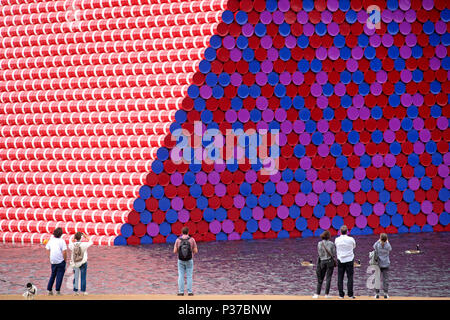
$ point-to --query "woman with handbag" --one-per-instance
(325, 263)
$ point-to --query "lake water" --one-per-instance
(234, 267)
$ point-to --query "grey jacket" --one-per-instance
(323, 255)
(383, 253)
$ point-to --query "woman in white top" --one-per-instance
(78, 260)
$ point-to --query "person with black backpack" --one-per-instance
(185, 246)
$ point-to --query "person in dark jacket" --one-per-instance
(382, 249)
(325, 265)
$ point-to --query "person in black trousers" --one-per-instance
(344, 251)
(325, 264)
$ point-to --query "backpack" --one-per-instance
(77, 252)
(185, 250)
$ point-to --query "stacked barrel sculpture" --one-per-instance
(129, 119)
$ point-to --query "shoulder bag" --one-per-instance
(328, 252)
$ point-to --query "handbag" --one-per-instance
(373, 258)
(328, 252)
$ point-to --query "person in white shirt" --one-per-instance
(79, 261)
(58, 254)
(344, 251)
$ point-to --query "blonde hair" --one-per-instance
(383, 238)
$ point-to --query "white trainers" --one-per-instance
(377, 296)
(386, 296)
(327, 296)
(315, 296)
(84, 293)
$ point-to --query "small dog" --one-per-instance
(31, 291)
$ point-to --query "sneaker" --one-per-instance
(341, 297)
(180, 294)
(76, 293)
(352, 297)
(386, 296)
(315, 296)
(377, 296)
(50, 293)
(58, 293)
(190, 294)
(327, 296)
(84, 293)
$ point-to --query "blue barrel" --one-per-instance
(264, 200)
(294, 212)
(139, 205)
(276, 224)
(301, 224)
(171, 216)
(162, 154)
(120, 241)
(337, 222)
(246, 235)
(202, 202)
(145, 192)
(252, 225)
(146, 239)
(171, 238)
(397, 220)
(157, 166)
(209, 214)
(126, 230)
(220, 214)
(307, 233)
(145, 217)
(164, 228)
(164, 204)
(221, 236)
(195, 190)
(283, 234)
(385, 220)
(246, 213)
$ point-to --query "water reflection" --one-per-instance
(235, 267)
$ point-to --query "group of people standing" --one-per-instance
(57, 249)
(330, 255)
(340, 254)
(185, 247)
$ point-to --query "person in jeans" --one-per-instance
(382, 248)
(325, 265)
(80, 267)
(185, 261)
(58, 254)
(345, 256)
